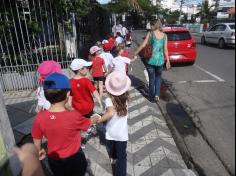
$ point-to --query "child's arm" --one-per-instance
(38, 109)
(68, 105)
(105, 69)
(28, 156)
(133, 59)
(108, 115)
(42, 152)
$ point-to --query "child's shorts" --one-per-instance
(69, 166)
(102, 78)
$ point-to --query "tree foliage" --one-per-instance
(206, 11)
(171, 17)
(79, 7)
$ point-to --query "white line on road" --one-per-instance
(198, 81)
(209, 73)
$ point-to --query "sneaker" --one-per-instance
(83, 146)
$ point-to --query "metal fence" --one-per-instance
(30, 32)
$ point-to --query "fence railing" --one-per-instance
(17, 78)
(31, 32)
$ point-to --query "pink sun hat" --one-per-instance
(117, 83)
(47, 68)
(94, 49)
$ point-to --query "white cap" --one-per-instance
(77, 64)
(94, 49)
(105, 42)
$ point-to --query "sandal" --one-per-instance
(157, 98)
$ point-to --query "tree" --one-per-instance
(206, 11)
(172, 17)
(141, 6)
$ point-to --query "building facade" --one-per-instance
(226, 9)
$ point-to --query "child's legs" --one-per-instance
(111, 149)
(121, 165)
(101, 88)
(96, 84)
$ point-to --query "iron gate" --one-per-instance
(31, 32)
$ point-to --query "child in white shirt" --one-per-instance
(120, 62)
(45, 69)
(117, 85)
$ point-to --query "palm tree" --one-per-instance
(134, 4)
(206, 11)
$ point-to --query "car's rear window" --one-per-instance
(232, 26)
(178, 36)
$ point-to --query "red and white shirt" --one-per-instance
(81, 92)
(98, 67)
(62, 129)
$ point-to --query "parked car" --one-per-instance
(181, 45)
(220, 34)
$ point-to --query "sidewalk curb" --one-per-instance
(180, 140)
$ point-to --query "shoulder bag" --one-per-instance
(146, 52)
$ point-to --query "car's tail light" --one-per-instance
(193, 45)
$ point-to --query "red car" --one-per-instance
(181, 45)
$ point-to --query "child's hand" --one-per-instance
(42, 154)
(95, 119)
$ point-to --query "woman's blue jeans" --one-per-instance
(155, 78)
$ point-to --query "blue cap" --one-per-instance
(56, 81)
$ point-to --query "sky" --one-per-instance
(187, 1)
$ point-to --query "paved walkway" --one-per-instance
(151, 150)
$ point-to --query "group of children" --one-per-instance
(66, 107)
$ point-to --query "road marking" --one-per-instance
(198, 81)
(209, 73)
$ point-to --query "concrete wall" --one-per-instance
(27, 81)
(195, 28)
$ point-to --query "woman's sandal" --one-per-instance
(157, 98)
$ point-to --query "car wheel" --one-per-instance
(221, 44)
(192, 63)
(203, 40)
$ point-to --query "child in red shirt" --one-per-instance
(62, 129)
(82, 88)
(98, 69)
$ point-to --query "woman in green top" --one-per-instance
(155, 64)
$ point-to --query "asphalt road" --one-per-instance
(207, 91)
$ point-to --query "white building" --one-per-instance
(212, 2)
(226, 9)
(170, 4)
(190, 9)
(173, 5)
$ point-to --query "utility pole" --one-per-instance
(181, 9)
(181, 5)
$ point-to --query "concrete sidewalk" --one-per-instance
(152, 150)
